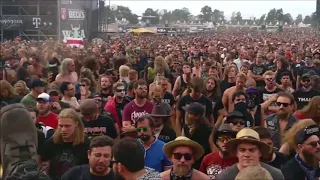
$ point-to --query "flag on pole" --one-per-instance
(75, 42)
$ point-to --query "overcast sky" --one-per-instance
(247, 8)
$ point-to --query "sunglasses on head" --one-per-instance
(242, 123)
(143, 129)
(186, 156)
(314, 144)
(54, 94)
(283, 104)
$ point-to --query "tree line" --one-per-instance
(207, 14)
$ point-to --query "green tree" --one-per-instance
(287, 18)
(271, 16)
(238, 17)
(299, 19)
(279, 15)
(151, 15)
(262, 19)
(307, 20)
(206, 13)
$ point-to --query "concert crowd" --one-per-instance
(231, 105)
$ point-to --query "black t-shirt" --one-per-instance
(168, 98)
(186, 100)
(302, 98)
(216, 105)
(278, 161)
(119, 109)
(200, 135)
(258, 70)
(103, 125)
(64, 156)
(265, 95)
(224, 85)
(304, 69)
(167, 134)
(83, 173)
(271, 66)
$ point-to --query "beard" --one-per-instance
(100, 171)
(145, 138)
(118, 176)
(311, 160)
(142, 95)
(225, 153)
(106, 88)
(281, 114)
(182, 170)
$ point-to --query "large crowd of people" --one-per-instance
(239, 104)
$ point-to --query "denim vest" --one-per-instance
(274, 128)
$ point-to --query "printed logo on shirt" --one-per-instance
(304, 99)
(214, 170)
(167, 101)
(135, 115)
(95, 131)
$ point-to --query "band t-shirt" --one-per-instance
(132, 112)
(63, 156)
(103, 125)
(302, 98)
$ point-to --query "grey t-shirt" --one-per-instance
(232, 172)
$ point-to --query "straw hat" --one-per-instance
(197, 149)
(250, 136)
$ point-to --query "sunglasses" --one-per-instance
(242, 123)
(314, 144)
(186, 156)
(306, 80)
(270, 79)
(54, 94)
(224, 139)
(143, 129)
(283, 104)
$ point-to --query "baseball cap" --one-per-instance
(49, 91)
(307, 132)
(45, 97)
(235, 114)
(194, 108)
(306, 75)
(37, 83)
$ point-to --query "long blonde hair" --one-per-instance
(79, 131)
(5, 85)
(64, 66)
(311, 108)
(160, 62)
(289, 136)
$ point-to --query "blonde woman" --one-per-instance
(68, 144)
(7, 93)
(289, 146)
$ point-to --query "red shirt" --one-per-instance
(300, 115)
(213, 164)
(50, 120)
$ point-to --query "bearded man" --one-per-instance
(283, 119)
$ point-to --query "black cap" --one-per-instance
(235, 114)
(37, 83)
(195, 108)
(307, 132)
(305, 76)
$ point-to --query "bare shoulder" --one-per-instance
(165, 175)
(200, 175)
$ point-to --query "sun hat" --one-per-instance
(224, 129)
(194, 108)
(250, 136)
(197, 149)
(159, 111)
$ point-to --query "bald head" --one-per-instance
(88, 106)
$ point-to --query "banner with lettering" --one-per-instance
(73, 19)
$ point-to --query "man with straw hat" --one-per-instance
(248, 148)
(183, 152)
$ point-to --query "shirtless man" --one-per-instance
(67, 73)
(227, 95)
